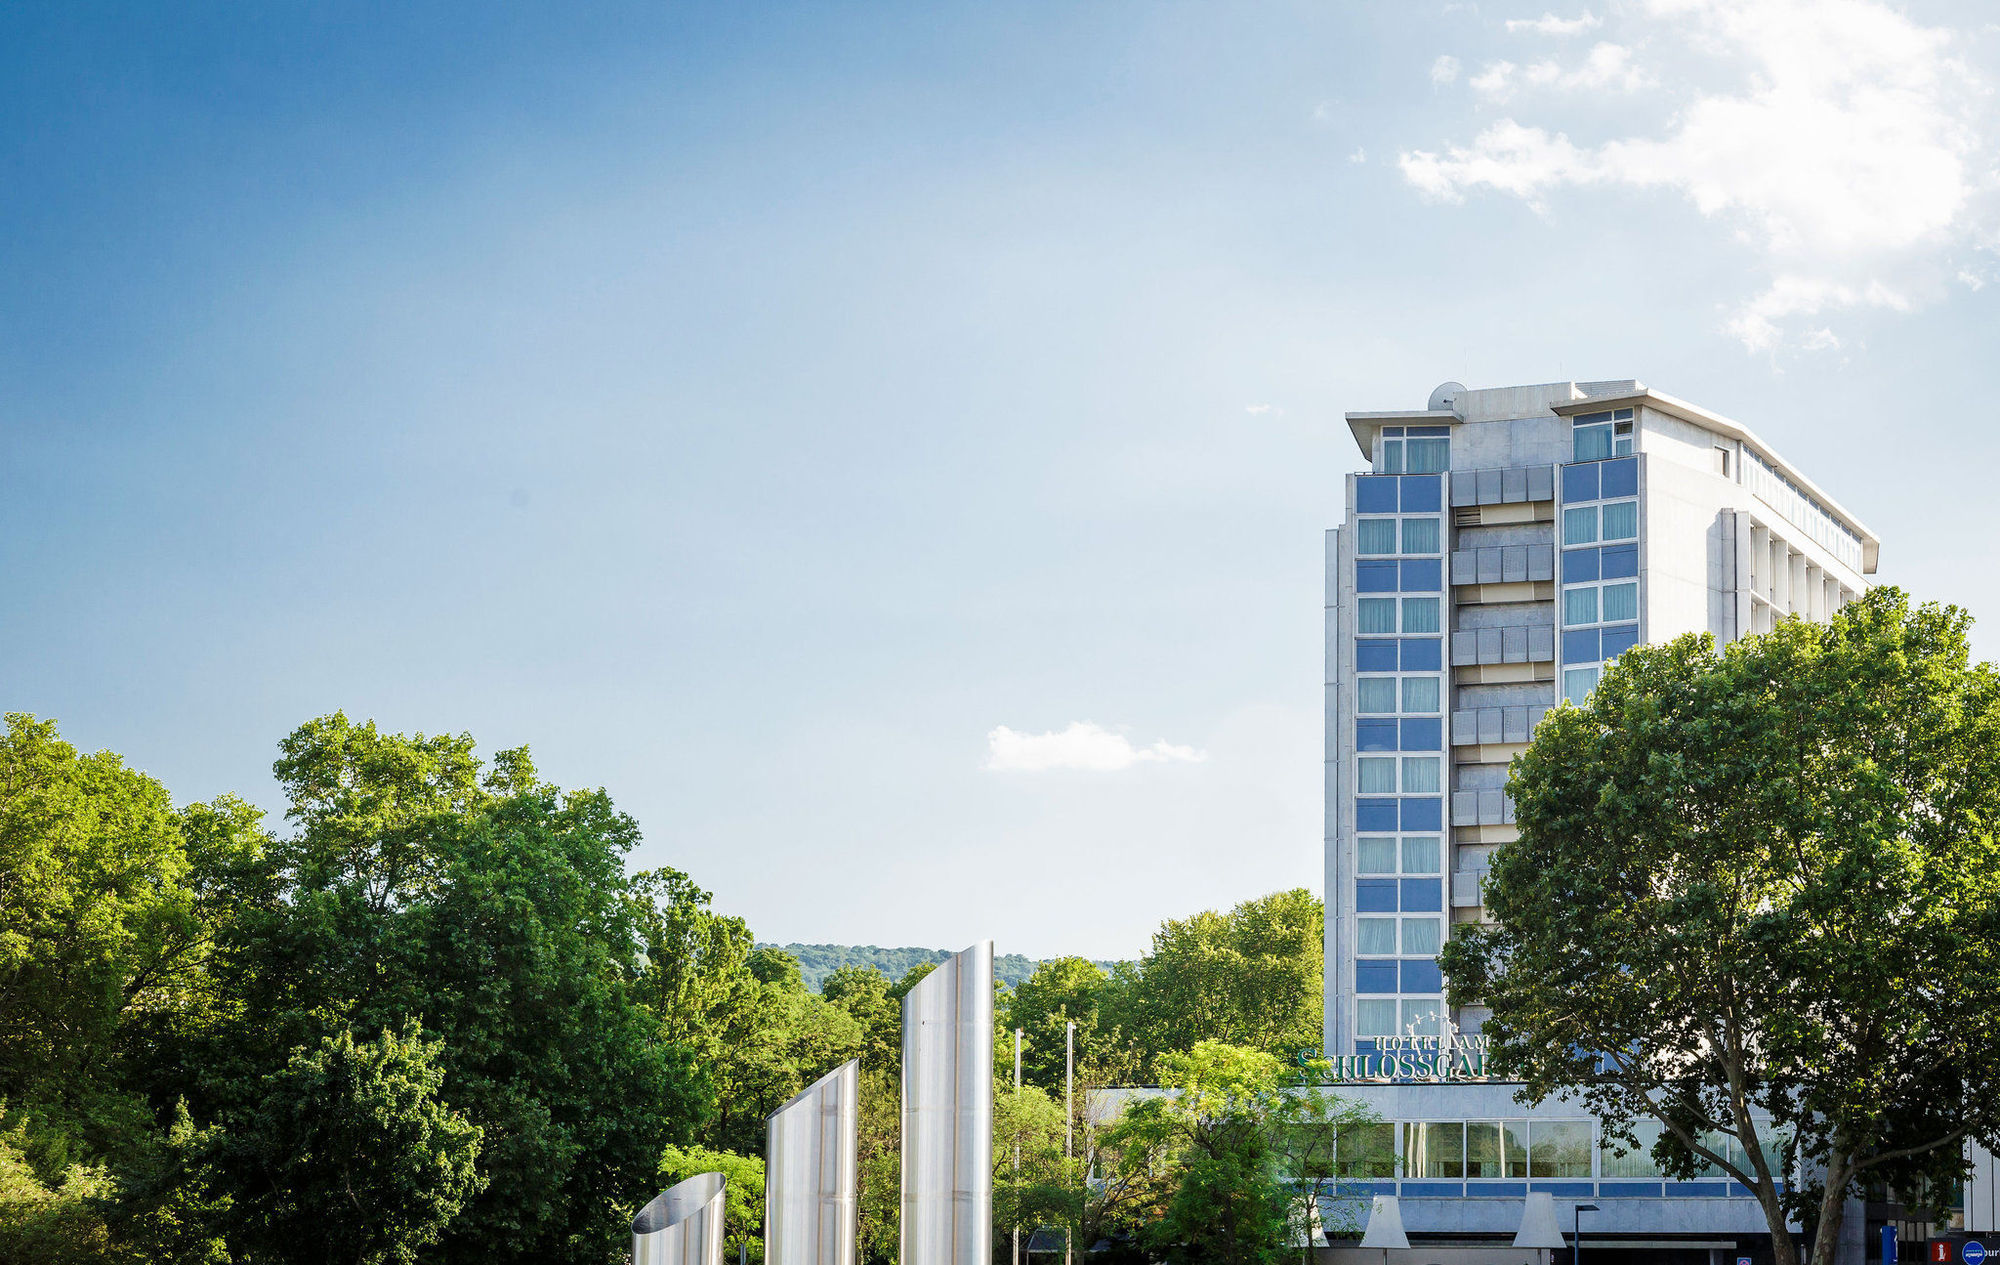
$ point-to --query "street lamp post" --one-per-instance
(1576, 1231)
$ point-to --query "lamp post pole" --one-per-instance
(1069, 1116)
(1017, 1142)
(1576, 1231)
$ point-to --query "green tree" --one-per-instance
(879, 1171)
(863, 992)
(1250, 977)
(1061, 991)
(743, 1193)
(358, 1160)
(58, 1222)
(1213, 1129)
(1756, 898)
(423, 883)
(104, 937)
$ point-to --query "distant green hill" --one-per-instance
(817, 961)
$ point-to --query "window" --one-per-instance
(1420, 535)
(1378, 614)
(1376, 694)
(1611, 602)
(1420, 854)
(1482, 1150)
(1376, 856)
(1588, 524)
(1422, 936)
(1601, 435)
(1375, 535)
(1621, 520)
(1420, 693)
(1637, 1162)
(1367, 1150)
(1427, 456)
(1514, 1139)
(1375, 1017)
(1580, 525)
(1434, 1150)
(1579, 682)
(1420, 775)
(1420, 615)
(1561, 1149)
(1378, 775)
(1375, 937)
(1722, 461)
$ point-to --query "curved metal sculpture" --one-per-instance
(683, 1226)
(809, 1173)
(948, 1113)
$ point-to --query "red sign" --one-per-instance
(1941, 1253)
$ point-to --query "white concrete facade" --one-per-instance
(1506, 543)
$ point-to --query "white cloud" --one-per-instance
(1085, 746)
(1550, 24)
(1360, 155)
(1444, 69)
(1260, 409)
(1606, 68)
(1847, 151)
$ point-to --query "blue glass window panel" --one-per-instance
(1374, 977)
(1422, 654)
(1422, 493)
(1375, 735)
(1429, 432)
(1423, 575)
(1618, 640)
(1375, 895)
(1620, 561)
(1565, 1190)
(1579, 564)
(1375, 494)
(1696, 1190)
(1425, 734)
(1422, 895)
(1375, 577)
(1421, 975)
(1375, 656)
(1423, 814)
(1433, 1190)
(1579, 483)
(1375, 816)
(1497, 1190)
(1621, 477)
(1580, 646)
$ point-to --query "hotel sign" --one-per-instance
(1452, 1058)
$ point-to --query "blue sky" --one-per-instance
(755, 409)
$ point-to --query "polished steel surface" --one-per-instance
(683, 1226)
(809, 1172)
(948, 1113)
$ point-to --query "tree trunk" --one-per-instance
(1832, 1211)
(1784, 1248)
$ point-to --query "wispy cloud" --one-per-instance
(1847, 151)
(1259, 410)
(1444, 70)
(1550, 24)
(1606, 68)
(1083, 746)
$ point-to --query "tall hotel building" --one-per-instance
(1507, 543)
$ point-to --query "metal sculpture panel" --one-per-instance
(809, 1173)
(948, 1113)
(683, 1226)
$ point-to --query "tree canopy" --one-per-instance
(1756, 898)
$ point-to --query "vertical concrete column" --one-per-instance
(809, 1173)
(948, 1113)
